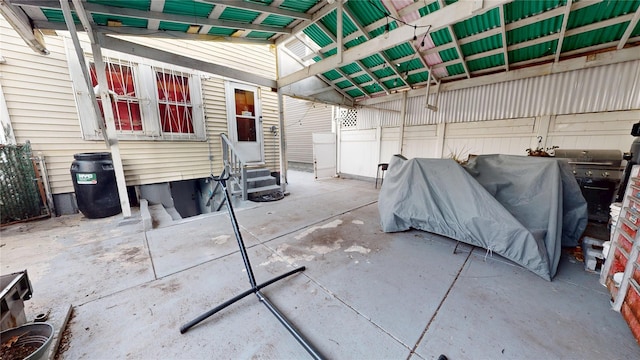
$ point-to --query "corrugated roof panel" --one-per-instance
(455, 69)
(418, 78)
(330, 21)
(477, 24)
(379, 31)
(384, 72)
(594, 37)
(449, 54)
(441, 37)
(366, 12)
(362, 78)
(221, 31)
(636, 31)
(318, 36)
(130, 4)
(317, 58)
(413, 64)
(482, 45)
(399, 51)
(239, 15)
(331, 52)
(298, 5)
(534, 51)
(372, 60)
(260, 35)
(350, 68)
(332, 75)
(355, 93)
(394, 83)
(429, 8)
(344, 84)
(277, 20)
(535, 30)
(373, 88)
(521, 9)
(173, 26)
(486, 62)
(601, 11)
(56, 15)
(181, 7)
(355, 42)
(101, 19)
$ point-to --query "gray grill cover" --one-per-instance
(523, 208)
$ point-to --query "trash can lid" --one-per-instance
(93, 156)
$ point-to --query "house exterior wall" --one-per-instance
(42, 109)
(584, 109)
(303, 118)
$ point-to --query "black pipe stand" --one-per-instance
(255, 288)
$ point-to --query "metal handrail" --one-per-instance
(234, 165)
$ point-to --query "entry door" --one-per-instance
(244, 119)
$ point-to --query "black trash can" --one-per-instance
(94, 182)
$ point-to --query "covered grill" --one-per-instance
(598, 173)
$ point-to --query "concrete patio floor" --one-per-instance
(364, 295)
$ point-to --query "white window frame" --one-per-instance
(144, 71)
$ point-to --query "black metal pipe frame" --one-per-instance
(255, 288)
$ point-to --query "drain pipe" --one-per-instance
(283, 144)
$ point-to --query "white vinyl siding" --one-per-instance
(40, 100)
(303, 118)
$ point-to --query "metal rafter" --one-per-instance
(156, 5)
(563, 29)
(262, 17)
(395, 13)
(384, 56)
(629, 30)
(345, 75)
(454, 37)
(503, 34)
(246, 5)
(155, 15)
(215, 14)
(317, 15)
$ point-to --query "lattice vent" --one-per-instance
(349, 117)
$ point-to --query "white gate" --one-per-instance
(324, 155)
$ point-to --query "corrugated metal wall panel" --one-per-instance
(270, 117)
(303, 118)
(604, 88)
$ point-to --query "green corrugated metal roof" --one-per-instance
(429, 8)
(521, 9)
(535, 30)
(418, 77)
(449, 54)
(366, 12)
(350, 68)
(362, 79)
(260, 35)
(357, 41)
(56, 15)
(239, 15)
(355, 93)
(477, 24)
(441, 37)
(455, 69)
(384, 72)
(221, 31)
(482, 45)
(317, 35)
(332, 75)
(593, 37)
(486, 62)
(331, 23)
(277, 20)
(173, 26)
(344, 84)
(372, 60)
(182, 7)
(102, 19)
(531, 52)
(600, 11)
(130, 4)
(379, 31)
(298, 5)
(399, 51)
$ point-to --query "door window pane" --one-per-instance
(246, 129)
(244, 103)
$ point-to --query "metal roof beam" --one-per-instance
(611, 57)
(149, 15)
(453, 13)
(454, 37)
(478, 36)
(563, 29)
(600, 24)
(503, 35)
(215, 13)
(485, 54)
(629, 30)
(246, 5)
(23, 27)
(156, 5)
(317, 15)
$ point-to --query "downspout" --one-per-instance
(283, 140)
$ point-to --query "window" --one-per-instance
(150, 100)
(174, 103)
(126, 107)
